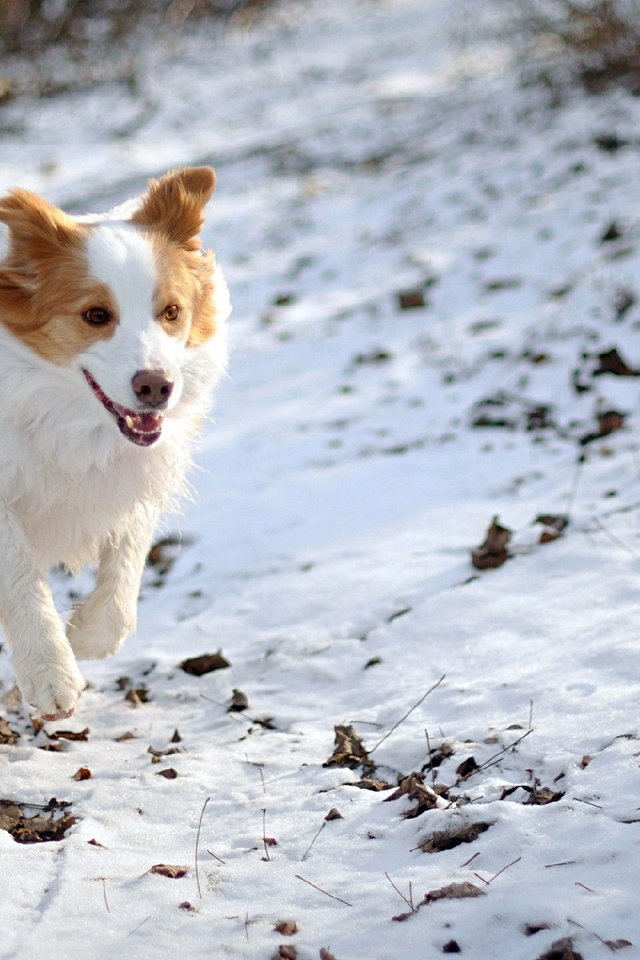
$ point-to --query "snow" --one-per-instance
(364, 149)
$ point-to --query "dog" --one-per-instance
(112, 337)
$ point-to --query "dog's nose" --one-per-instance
(152, 388)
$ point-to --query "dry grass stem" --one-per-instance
(204, 807)
(408, 713)
(320, 890)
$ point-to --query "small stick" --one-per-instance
(467, 862)
(503, 869)
(584, 886)
(215, 856)
(494, 759)
(255, 763)
(433, 769)
(264, 833)
(104, 894)
(139, 925)
(409, 711)
(246, 926)
(409, 901)
(592, 932)
(304, 855)
(589, 803)
(530, 714)
(562, 863)
(481, 878)
(339, 899)
(574, 484)
(204, 807)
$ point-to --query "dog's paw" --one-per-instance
(94, 633)
(51, 688)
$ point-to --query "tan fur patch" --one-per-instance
(44, 283)
(186, 281)
(174, 205)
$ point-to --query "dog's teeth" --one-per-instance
(129, 422)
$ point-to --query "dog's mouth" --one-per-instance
(142, 429)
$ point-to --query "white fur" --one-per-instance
(73, 490)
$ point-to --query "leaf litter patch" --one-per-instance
(49, 822)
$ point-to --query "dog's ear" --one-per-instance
(175, 205)
(38, 231)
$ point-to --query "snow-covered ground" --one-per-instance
(359, 451)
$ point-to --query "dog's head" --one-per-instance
(127, 306)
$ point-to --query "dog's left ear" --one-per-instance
(175, 204)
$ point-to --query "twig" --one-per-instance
(562, 863)
(408, 900)
(573, 490)
(616, 539)
(246, 926)
(104, 894)
(491, 879)
(135, 929)
(584, 886)
(433, 769)
(322, 826)
(256, 763)
(264, 833)
(494, 759)
(592, 932)
(530, 714)
(589, 803)
(339, 899)
(467, 862)
(409, 711)
(216, 857)
(204, 807)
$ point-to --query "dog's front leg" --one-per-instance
(45, 667)
(99, 626)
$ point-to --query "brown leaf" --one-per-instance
(493, 552)
(608, 422)
(169, 870)
(410, 299)
(70, 734)
(185, 905)
(239, 702)
(168, 773)
(286, 951)
(82, 773)
(454, 891)
(7, 736)
(448, 839)
(176, 738)
(611, 362)
(618, 944)
(452, 946)
(286, 927)
(137, 695)
(96, 843)
(35, 829)
(205, 663)
(127, 735)
(561, 950)
(467, 768)
(414, 788)
(325, 955)
(349, 751)
(369, 783)
(334, 814)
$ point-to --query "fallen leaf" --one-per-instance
(81, 735)
(413, 787)
(82, 773)
(286, 951)
(169, 773)
(96, 843)
(185, 905)
(448, 839)
(39, 828)
(239, 702)
(561, 950)
(618, 944)
(410, 299)
(608, 422)
(369, 783)
(325, 955)
(452, 946)
(8, 736)
(127, 735)
(205, 663)
(176, 738)
(137, 695)
(493, 552)
(467, 768)
(168, 870)
(611, 362)
(349, 751)
(454, 891)
(286, 927)
(334, 814)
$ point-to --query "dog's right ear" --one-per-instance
(38, 231)
(175, 205)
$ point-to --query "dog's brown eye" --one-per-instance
(172, 312)
(96, 316)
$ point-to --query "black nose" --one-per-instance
(152, 388)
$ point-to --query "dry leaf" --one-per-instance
(82, 773)
(8, 736)
(239, 702)
(369, 783)
(410, 299)
(325, 954)
(334, 814)
(127, 735)
(286, 951)
(205, 663)
(493, 552)
(448, 839)
(414, 788)
(169, 773)
(286, 927)
(561, 950)
(618, 944)
(467, 768)
(452, 946)
(70, 734)
(40, 828)
(349, 751)
(454, 891)
(96, 843)
(168, 870)
(611, 362)
(137, 695)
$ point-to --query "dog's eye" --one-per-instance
(96, 316)
(172, 312)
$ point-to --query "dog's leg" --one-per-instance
(45, 667)
(99, 626)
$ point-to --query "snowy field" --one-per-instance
(431, 264)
